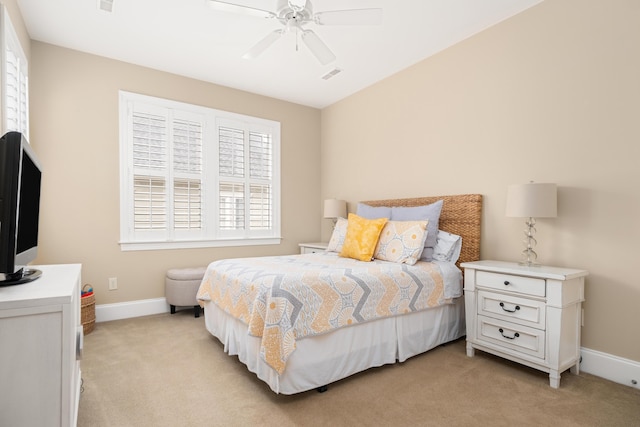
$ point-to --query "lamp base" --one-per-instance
(529, 256)
(529, 264)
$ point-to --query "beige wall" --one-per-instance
(551, 95)
(74, 130)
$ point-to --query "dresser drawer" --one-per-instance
(521, 339)
(508, 282)
(511, 308)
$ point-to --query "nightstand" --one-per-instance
(530, 315)
(311, 248)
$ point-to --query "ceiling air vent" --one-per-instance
(106, 5)
(331, 73)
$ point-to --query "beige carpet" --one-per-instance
(166, 370)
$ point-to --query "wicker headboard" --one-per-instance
(460, 215)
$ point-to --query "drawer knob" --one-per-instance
(506, 283)
(517, 307)
(516, 335)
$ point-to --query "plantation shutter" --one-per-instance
(260, 207)
(260, 171)
(231, 153)
(187, 166)
(245, 170)
(231, 167)
(150, 201)
(150, 159)
(194, 177)
(231, 206)
(16, 88)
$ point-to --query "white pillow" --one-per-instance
(447, 247)
(338, 235)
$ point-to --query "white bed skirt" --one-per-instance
(323, 359)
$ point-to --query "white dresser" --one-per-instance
(531, 315)
(40, 347)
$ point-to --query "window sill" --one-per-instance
(196, 244)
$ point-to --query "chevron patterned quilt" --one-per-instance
(286, 298)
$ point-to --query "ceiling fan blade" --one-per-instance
(349, 17)
(227, 6)
(263, 44)
(317, 47)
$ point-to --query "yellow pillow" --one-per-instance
(362, 237)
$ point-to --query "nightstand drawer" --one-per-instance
(308, 250)
(511, 283)
(518, 338)
(523, 311)
(312, 248)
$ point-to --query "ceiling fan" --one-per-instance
(295, 15)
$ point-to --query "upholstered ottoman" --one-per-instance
(181, 286)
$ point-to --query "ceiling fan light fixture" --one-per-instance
(297, 4)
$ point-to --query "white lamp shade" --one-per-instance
(334, 208)
(533, 200)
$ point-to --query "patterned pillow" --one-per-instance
(362, 237)
(339, 233)
(402, 241)
(416, 213)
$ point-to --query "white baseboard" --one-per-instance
(610, 367)
(126, 310)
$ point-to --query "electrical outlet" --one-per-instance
(113, 283)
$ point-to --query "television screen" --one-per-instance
(20, 180)
(29, 206)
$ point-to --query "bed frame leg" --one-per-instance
(322, 389)
(173, 309)
(196, 310)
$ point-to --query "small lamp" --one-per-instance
(530, 201)
(335, 209)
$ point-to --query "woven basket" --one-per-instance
(88, 312)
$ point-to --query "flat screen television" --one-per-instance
(20, 181)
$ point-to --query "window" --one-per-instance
(196, 177)
(15, 80)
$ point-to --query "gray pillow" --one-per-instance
(418, 213)
(373, 212)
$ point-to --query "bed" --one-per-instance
(294, 356)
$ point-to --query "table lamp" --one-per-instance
(334, 209)
(532, 200)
